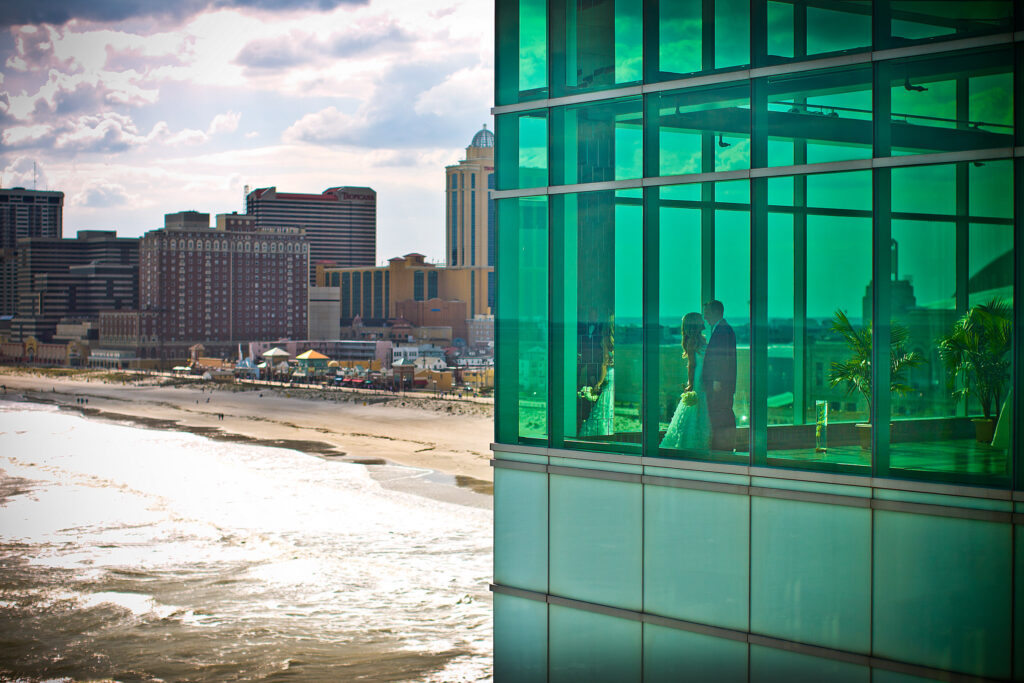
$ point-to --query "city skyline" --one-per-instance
(135, 112)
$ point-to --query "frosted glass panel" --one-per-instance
(696, 555)
(671, 655)
(596, 537)
(810, 580)
(593, 647)
(942, 592)
(520, 639)
(521, 529)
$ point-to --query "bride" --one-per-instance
(690, 428)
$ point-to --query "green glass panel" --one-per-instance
(797, 31)
(949, 103)
(521, 68)
(1018, 603)
(818, 116)
(521, 529)
(523, 153)
(671, 655)
(701, 130)
(696, 556)
(520, 639)
(811, 573)
(596, 538)
(602, 284)
(597, 142)
(585, 646)
(883, 676)
(952, 260)
(522, 302)
(679, 37)
(912, 21)
(942, 590)
(599, 44)
(732, 33)
(769, 665)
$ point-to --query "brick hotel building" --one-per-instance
(340, 223)
(233, 283)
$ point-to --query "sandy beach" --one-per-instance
(451, 436)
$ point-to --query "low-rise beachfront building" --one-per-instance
(845, 180)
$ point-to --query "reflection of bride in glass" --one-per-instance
(690, 427)
(597, 379)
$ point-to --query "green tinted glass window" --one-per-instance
(523, 160)
(814, 117)
(691, 36)
(596, 44)
(521, 69)
(798, 30)
(910, 21)
(770, 665)
(951, 103)
(951, 306)
(593, 143)
(700, 130)
(819, 251)
(601, 268)
(522, 302)
(704, 254)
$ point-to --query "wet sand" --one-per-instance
(451, 437)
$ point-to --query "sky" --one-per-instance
(135, 108)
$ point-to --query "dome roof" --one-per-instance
(483, 138)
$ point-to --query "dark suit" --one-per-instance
(720, 366)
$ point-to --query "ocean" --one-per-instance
(132, 554)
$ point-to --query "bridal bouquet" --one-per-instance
(588, 393)
(689, 398)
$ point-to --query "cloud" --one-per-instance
(469, 88)
(59, 12)
(107, 132)
(102, 194)
(25, 136)
(22, 172)
(224, 123)
(64, 93)
(297, 48)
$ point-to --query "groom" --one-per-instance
(719, 376)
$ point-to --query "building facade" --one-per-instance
(844, 178)
(469, 208)
(24, 213)
(72, 278)
(340, 223)
(220, 286)
(372, 294)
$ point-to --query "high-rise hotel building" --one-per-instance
(469, 208)
(340, 223)
(24, 213)
(221, 286)
(843, 177)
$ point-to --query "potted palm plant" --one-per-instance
(855, 372)
(976, 354)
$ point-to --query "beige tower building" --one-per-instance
(469, 209)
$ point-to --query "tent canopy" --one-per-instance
(310, 355)
(275, 353)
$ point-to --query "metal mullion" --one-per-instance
(556, 321)
(651, 304)
(880, 315)
(759, 320)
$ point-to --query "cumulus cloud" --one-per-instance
(107, 132)
(297, 48)
(468, 88)
(224, 123)
(61, 11)
(65, 93)
(22, 171)
(102, 194)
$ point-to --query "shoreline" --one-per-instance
(444, 436)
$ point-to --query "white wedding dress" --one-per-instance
(601, 421)
(690, 428)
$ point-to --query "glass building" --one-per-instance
(825, 485)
